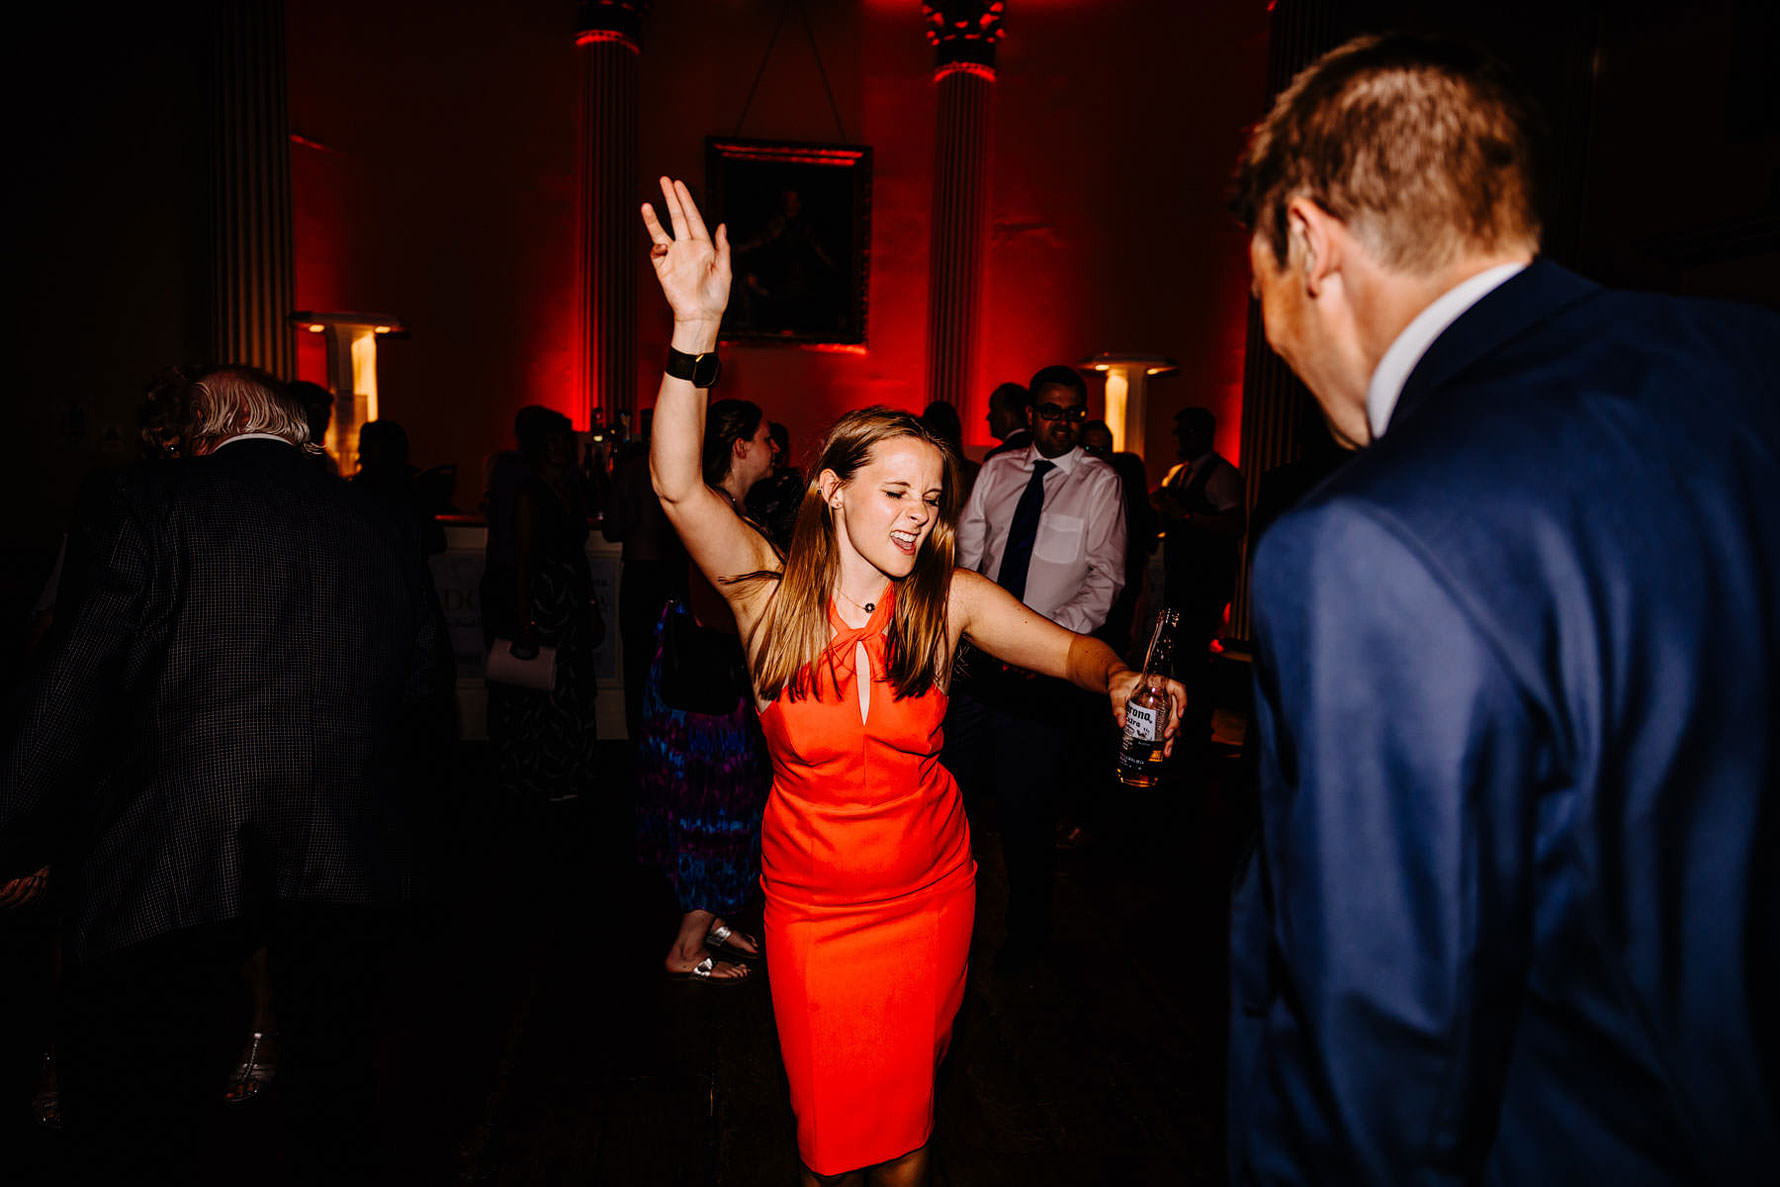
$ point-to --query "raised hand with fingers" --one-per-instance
(692, 267)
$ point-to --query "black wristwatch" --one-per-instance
(701, 370)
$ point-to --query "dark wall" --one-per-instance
(107, 237)
(1662, 150)
(434, 179)
(1683, 169)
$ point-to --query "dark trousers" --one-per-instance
(1008, 736)
(1200, 578)
(147, 1037)
(1196, 668)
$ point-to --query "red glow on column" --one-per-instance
(320, 243)
(552, 375)
(606, 36)
(976, 68)
(836, 348)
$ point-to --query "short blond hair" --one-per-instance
(1422, 146)
(228, 401)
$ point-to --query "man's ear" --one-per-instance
(1314, 243)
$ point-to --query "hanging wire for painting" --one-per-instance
(821, 71)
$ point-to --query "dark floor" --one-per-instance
(531, 1038)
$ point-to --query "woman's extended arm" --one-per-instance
(694, 274)
(1014, 633)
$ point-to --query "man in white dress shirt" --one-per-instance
(1047, 523)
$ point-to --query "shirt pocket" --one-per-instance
(1059, 539)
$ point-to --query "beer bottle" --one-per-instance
(1146, 713)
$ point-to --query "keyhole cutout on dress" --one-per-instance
(862, 679)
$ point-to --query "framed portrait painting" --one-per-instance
(799, 218)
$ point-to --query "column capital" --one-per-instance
(617, 21)
(963, 34)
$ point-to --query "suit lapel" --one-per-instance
(1518, 303)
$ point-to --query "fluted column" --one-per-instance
(607, 248)
(1275, 404)
(963, 33)
(250, 154)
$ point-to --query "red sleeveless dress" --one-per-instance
(870, 897)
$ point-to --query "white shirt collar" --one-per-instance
(1407, 350)
(249, 437)
(1065, 463)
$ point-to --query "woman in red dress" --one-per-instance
(870, 886)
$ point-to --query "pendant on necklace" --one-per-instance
(870, 606)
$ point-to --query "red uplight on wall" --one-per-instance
(604, 36)
(976, 68)
(955, 20)
(964, 32)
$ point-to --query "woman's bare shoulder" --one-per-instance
(965, 599)
(969, 586)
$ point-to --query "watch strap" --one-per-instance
(700, 370)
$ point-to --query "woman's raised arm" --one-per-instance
(694, 273)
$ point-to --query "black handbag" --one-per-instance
(702, 670)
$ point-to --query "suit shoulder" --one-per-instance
(1322, 523)
(1650, 327)
(1732, 315)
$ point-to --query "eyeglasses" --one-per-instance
(1058, 412)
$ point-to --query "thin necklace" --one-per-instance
(868, 607)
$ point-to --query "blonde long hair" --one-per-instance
(796, 620)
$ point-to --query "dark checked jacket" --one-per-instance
(247, 662)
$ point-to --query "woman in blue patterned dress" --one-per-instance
(701, 760)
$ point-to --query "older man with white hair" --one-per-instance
(212, 756)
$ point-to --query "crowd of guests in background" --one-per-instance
(1082, 543)
(1081, 536)
(1515, 841)
(1086, 540)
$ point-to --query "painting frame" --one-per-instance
(799, 219)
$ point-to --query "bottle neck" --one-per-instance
(1160, 659)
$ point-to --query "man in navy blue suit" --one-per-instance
(1514, 915)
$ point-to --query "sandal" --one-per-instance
(719, 937)
(46, 1103)
(703, 972)
(254, 1072)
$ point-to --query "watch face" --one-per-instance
(705, 370)
(700, 370)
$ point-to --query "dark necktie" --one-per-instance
(1024, 532)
